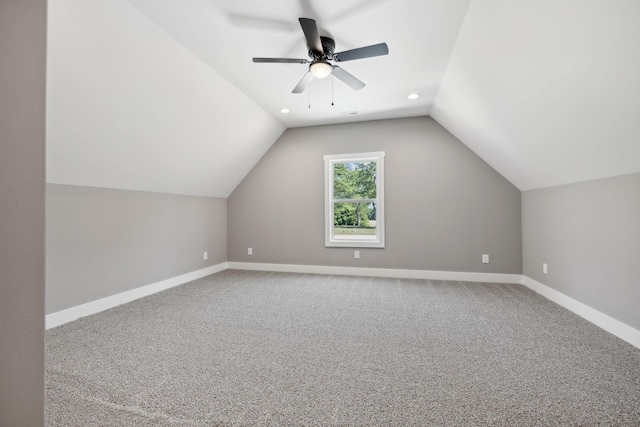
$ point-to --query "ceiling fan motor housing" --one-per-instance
(328, 45)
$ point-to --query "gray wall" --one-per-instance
(101, 242)
(589, 235)
(22, 167)
(445, 207)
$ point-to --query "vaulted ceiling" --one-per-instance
(162, 95)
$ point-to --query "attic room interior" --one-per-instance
(183, 237)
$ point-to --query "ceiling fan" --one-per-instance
(321, 51)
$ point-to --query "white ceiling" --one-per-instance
(162, 95)
(227, 34)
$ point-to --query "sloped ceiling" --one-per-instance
(128, 107)
(547, 92)
(161, 95)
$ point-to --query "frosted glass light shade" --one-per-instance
(320, 69)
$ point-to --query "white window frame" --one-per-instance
(329, 162)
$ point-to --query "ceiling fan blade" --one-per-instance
(363, 52)
(303, 84)
(347, 78)
(281, 60)
(310, 30)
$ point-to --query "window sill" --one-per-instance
(353, 244)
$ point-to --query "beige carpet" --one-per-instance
(252, 348)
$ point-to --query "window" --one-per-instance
(354, 200)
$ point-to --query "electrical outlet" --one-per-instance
(544, 267)
(249, 251)
(485, 258)
(356, 254)
(205, 256)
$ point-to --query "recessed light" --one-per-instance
(284, 110)
(413, 96)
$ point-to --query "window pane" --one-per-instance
(354, 180)
(354, 221)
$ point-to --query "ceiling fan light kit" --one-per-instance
(320, 69)
(321, 51)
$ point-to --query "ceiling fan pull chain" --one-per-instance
(332, 89)
(309, 90)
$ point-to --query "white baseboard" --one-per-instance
(64, 316)
(380, 272)
(609, 324)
